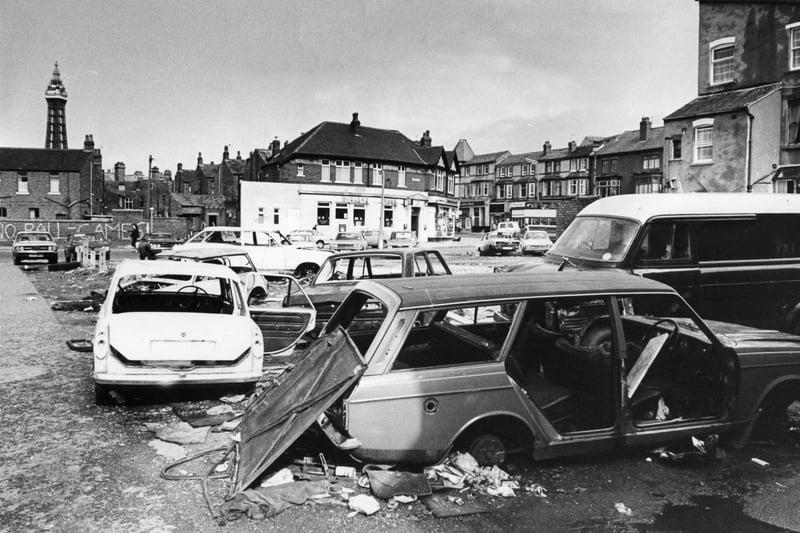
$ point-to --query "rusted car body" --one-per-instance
(556, 364)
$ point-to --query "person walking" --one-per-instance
(134, 236)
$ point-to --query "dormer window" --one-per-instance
(721, 57)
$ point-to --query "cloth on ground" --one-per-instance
(269, 501)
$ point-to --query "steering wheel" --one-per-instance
(672, 333)
(187, 304)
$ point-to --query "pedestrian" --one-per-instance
(69, 249)
(145, 249)
(134, 236)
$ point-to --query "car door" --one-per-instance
(266, 253)
(677, 380)
(284, 316)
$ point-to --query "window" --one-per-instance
(614, 165)
(502, 172)
(55, 183)
(377, 173)
(260, 215)
(211, 185)
(451, 184)
(794, 45)
(341, 211)
(722, 60)
(651, 162)
(456, 336)
(388, 217)
(127, 203)
(676, 149)
(22, 183)
(647, 186)
(300, 169)
(665, 241)
(33, 212)
(276, 216)
(607, 187)
(605, 165)
(572, 187)
(485, 189)
(555, 188)
(582, 187)
(532, 189)
(524, 170)
(357, 172)
(583, 163)
(358, 216)
(401, 176)
(3, 212)
(573, 165)
(703, 144)
(548, 167)
(325, 171)
(500, 192)
(323, 214)
(509, 192)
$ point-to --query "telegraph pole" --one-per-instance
(380, 227)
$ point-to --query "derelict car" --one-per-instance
(170, 323)
(555, 364)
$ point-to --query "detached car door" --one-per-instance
(284, 316)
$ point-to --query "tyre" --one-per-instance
(487, 448)
(101, 395)
(320, 244)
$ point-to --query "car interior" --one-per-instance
(165, 294)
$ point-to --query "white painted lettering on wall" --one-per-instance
(60, 229)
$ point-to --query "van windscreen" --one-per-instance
(596, 239)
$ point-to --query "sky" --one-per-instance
(174, 78)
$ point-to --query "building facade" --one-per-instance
(631, 162)
(477, 188)
(336, 176)
(516, 191)
(741, 132)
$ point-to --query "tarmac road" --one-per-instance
(68, 465)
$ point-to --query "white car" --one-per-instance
(269, 250)
(508, 227)
(171, 323)
(535, 242)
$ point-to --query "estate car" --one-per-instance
(555, 364)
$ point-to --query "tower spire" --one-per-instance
(56, 96)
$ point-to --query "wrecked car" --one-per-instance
(170, 323)
(552, 365)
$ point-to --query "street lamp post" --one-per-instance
(383, 195)
(151, 218)
(150, 186)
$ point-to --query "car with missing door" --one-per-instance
(186, 323)
(551, 365)
(34, 246)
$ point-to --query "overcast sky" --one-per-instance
(173, 78)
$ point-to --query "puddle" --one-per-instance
(707, 514)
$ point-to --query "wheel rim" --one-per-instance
(488, 449)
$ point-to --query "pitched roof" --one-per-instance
(430, 154)
(564, 153)
(236, 166)
(214, 201)
(628, 141)
(337, 140)
(44, 159)
(515, 159)
(486, 158)
(723, 102)
(208, 170)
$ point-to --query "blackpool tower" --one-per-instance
(56, 96)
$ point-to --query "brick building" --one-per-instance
(339, 172)
(477, 187)
(516, 189)
(631, 162)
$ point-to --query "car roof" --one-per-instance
(235, 228)
(443, 290)
(206, 252)
(372, 253)
(130, 267)
(643, 207)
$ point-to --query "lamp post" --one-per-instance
(383, 195)
(151, 218)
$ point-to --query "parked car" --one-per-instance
(349, 240)
(371, 235)
(553, 365)
(174, 323)
(269, 250)
(236, 259)
(308, 238)
(341, 272)
(94, 240)
(734, 257)
(535, 242)
(402, 239)
(161, 241)
(496, 242)
(34, 246)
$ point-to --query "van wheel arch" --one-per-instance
(305, 270)
(493, 439)
(772, 409)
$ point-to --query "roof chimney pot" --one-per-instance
(644, 129)
(355, 123)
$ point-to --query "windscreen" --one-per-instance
(171, 293)
(596, 238)
(33, 237)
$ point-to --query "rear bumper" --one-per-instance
(173, 379)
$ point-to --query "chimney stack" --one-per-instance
(355, 123)
(546, 148)
(426, 139)
(88, 143)
(180, 167)
(238, 155)
(119, 171)
(225, 154)
(571, 146)
(644, 129)
(275, 146)
(199, 159)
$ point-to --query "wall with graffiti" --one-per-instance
(116, 229)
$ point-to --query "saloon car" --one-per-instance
(401, 239)
(349, 240)
(269, 250)
(535, 242)
(176, 323)
(34, 246)
(551, 365)
(497, 242)
(342, 271)
(308, 238)
(161, 241)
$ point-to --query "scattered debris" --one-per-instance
(235, 398)
(759, 462)
(405, 498)
(179, 432)
(621, 508)
(80, 345)
(699, 451)
(345, 471)
(73, 305)
(388, 483)
(269, 501)
(538, 490)
(219, 410)
(502, 490)
(230, 425)
(280, 477)
(167, 449)
(364, 503)
(222, 467)
(444, 507)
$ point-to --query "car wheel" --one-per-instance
(773, 422)
(305, 271)
(487, 448)
(320, 244)
(101, 395)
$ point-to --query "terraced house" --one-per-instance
(516, 189)
(343, 177)
(477, 187)
(631, 162)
